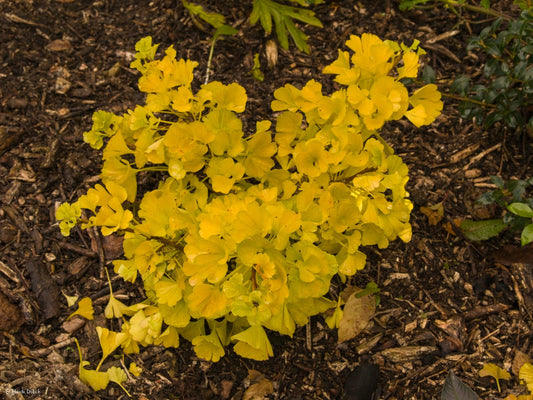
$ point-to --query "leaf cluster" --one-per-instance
(512, 196)
(506, 93)
(271, 14)
(246, 227)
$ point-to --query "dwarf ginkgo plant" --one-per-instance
(244, 230)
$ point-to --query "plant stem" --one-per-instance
(461, 98)
(208, 72)
(478, 9)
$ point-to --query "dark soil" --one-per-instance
(446, 304)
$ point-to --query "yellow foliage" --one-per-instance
(85, 309)
(246, 229)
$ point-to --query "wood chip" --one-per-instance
(10, 316)
(407, 353)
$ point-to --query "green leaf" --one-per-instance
(428, 74)
(460, 85)
(455, 389)
(490, 67)
(371, 288)
(492, 48)
(488, 198)
(226, 30)
(214, 19)
(501, 83)
(497, 180)
(256, 69)
(144, 50)
(410, 4)
(492, 118)
(527, 235)
(485, 4)
(267, 11)
(482, 230)
(521, 209)
(306, 3)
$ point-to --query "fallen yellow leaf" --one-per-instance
(85, 309)
(526, 374)
(496, 372)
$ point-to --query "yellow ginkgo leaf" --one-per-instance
(208, 347)
(115, 308)
(526, 374)
(109, 341)
(496, 372)
(118, 375)
(253, 343)
(71, 300)
(85, 309)
(134, 369)
(97, 380)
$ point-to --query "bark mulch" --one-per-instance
(446, 303)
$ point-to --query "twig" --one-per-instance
(77, 249)
(308, 338)
(481, 155)
(483, 311)
(19, 20)
(443, 50)
(47, 350)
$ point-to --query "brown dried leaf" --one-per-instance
(44, 288)
(449, 227)
(271, 51)
(259, 390)
(112, 246)
(59, 45)
(225, 393)
(356, 315)
(519, 359)
(434, 213)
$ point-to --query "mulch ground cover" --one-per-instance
(446, 303)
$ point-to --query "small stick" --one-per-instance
(46, 350)
(308, 337)
(482, 154)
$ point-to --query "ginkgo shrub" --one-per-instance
(245, 230)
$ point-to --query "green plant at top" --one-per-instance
(268, 12)
(271, 14)
(506, 94)
(244, 231)
(512, 197)
(455, 6)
